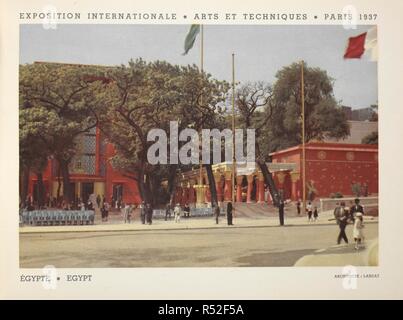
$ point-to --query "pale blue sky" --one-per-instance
(261, 50)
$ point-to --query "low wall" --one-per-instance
(330, 203)
(194, 212)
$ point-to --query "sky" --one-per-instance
(260, 51)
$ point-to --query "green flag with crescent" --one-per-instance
(191, 37)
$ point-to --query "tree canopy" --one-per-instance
(323, 116)
(275, 112)
(144, 96)
(59, 102)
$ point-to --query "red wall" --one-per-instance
(131, 193)
(46, 177)
(334, 167)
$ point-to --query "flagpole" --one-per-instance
(233, 132)
(201, 97)
(303, 139)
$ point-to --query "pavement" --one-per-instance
(117, 224)
(208, 247)
(252, 241)
(342, 255)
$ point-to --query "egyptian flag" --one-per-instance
(362, 44)
(191, 37)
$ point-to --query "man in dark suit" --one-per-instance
(356, 208)
(229, 213)
(281, 212)
(149, 213)
(341, 215)
(168, 212)
(143, 210)
(216, 212)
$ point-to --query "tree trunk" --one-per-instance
(172, 183)
(59, 185)
(24, 184)
(41, 190)
(212, 186)
(147, 190)
(269, 181)
(155, 189)
(141, 185)
(144, 186)
(64, 168)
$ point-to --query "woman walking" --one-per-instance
(357, 230)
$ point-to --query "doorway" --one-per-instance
(87, 188)
(117, 192)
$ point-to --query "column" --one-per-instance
(97, 149)
(200, 195)
(269, 200)
(250, 188)
(207, 192)
(280, 179)
(239, 180)
(294, 187)
(218, 186)
(78, 189)
(55, 186)
(227, 186)
(185, 193)
(260, 188)
(99, 188)
(178, 195)
(191, 193)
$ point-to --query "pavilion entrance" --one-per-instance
(87, 188)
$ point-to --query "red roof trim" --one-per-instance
(330, 146)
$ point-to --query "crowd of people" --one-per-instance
(311, 211)
(59, 203)
(177, 211)
(343, 215)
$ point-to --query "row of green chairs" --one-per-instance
(57, 217)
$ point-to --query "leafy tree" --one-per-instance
(275, 113)
(371, 138)
(63, 100)
(323, 116)
(144, 96)
(255, 109)
(33, 150)
(374, 116)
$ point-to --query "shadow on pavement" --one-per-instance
(273, 259)
(340, 249)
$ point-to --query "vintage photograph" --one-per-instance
(162, 145)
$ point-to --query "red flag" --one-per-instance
(355, 48)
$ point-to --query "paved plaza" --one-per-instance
(193, 243)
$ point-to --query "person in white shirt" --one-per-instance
(309, 211)
(126, 212)
(177, 213)
(357, 230)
